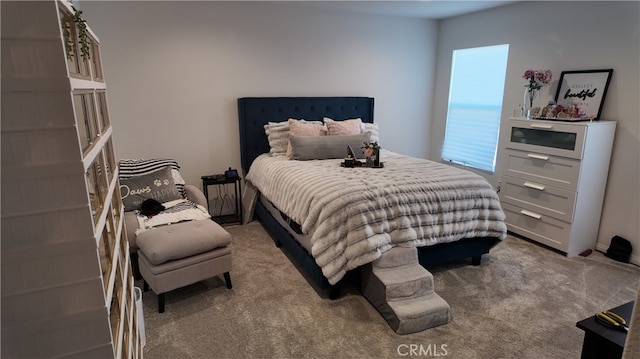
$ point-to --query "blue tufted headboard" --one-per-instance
(255, 112)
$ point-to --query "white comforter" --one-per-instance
(353, 215)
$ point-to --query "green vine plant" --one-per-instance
(68, 21)
(66, 33)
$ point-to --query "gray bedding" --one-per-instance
(353, 215)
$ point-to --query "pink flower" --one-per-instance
(528, 74)
(543, 76)
(370, 148)
(368, 152)
(537, 78)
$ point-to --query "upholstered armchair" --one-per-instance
(179, 245)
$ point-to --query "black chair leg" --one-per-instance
(145, 285)
(227, 279)
(135, 266)
(161, 303)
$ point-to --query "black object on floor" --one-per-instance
(619, 249)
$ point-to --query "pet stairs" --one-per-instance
(402, 291)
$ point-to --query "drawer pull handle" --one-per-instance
(530, 214)
(534, 186)
(538, 157)
(540, 125)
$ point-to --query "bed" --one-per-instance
(255, 112)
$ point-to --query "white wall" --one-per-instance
(563, 36)
(175, 69)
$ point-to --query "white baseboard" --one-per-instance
(635, 258)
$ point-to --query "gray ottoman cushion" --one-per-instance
(181, 240)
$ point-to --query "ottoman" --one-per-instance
(180, 254)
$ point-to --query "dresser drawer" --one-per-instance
(541, 228)
(560, 139)
(539, 198)
(543, 168)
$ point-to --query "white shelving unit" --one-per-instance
(554, 179)
(67, 285)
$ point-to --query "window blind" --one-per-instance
(475, 106)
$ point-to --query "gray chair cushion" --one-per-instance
(181, 240)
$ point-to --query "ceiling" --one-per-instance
(428, 9)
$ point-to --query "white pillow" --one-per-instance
(278, 136)
(372, 128)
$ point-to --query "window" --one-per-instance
(475, 106)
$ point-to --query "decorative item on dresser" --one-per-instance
(536, 79)
(554, 179)
(584, 89)
(67, 285)
(579, 97)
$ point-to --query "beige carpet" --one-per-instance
(523, 301)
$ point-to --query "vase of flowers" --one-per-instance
(372, 154)
(537, 79)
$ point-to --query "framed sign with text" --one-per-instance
(585, 89)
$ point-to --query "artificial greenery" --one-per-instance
(83, 35)
(66, 33)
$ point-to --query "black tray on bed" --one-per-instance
(361, 164)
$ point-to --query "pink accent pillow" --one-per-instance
(346, 127)
(297, 128)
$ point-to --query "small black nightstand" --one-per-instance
(601, 342)
(221, 180)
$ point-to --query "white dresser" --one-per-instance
(554, 178)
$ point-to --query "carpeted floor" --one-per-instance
(523, 301)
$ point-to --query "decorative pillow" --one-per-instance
(132, 168)
(299, 128)
(157, 185)
(326, 147)
(278, 135)
(345, 127)
(371, 128)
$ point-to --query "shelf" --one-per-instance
(67, 281)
